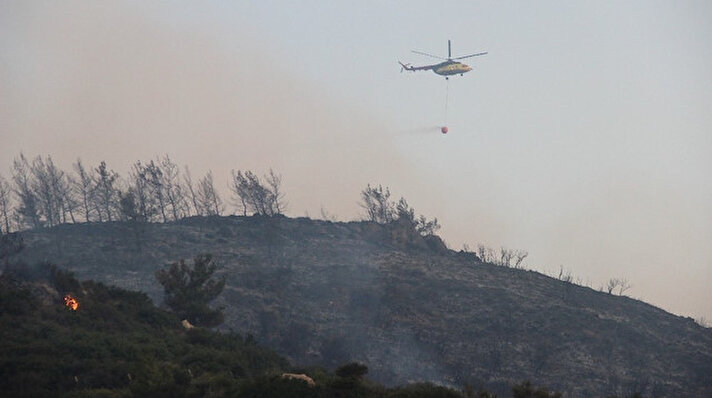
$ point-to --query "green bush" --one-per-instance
(424, 390)
(116, 344)
(526, 390)
(353, 369)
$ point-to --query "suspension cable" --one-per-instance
(447, 94)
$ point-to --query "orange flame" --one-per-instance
(71, 302)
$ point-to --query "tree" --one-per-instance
(85, 187)
(4, 205)
(565, 276)
(326, 216)
(65, 188)
(404, 211)
(53, 191)
(239, 187)
(485, 253)
(519, 255)
(469, 392)
(505, 257)
(277, 196)
(189, 290)
(352, 370)
(41, 187)
(427, 227)
(173, 190)
(130, 212)
(153, 176)
(61, 192)
(621, 284)
(106, 190)
(377, 204)
(27, 211)
(127, 206)
(421, 224)
(526, 390)
(256, 197)
(207, 196)
(144, 201)
(193, 196)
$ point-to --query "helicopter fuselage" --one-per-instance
(448, 68)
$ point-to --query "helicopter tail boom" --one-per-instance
(410, 68)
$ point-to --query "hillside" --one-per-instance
(116, 343)
(328, 293)
(112, 343)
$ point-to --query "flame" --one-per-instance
(71, 302)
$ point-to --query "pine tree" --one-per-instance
(189, 290)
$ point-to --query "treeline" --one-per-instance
(39, 194)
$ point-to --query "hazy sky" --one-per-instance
(584, 136)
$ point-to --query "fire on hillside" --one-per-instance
(71, 302)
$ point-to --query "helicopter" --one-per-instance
(447, 68)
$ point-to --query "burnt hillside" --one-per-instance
(327, 293)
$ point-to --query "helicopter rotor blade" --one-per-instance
(471, 55)
(428, 55)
